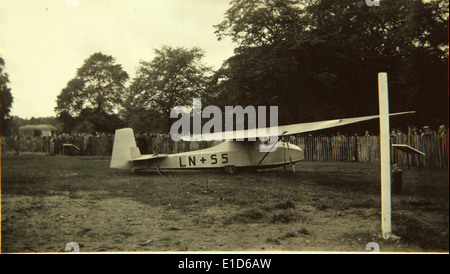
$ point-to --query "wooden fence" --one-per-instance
(336, 148)
(367, 149)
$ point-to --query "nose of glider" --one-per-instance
(296, 153)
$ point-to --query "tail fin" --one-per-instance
(124, 149)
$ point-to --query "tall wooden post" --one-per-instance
(385, 155)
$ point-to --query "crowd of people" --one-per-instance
(411, 130)
(98, 143)
(424, 131)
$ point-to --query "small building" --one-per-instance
(37, 130)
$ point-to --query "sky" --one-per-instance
(44, 42)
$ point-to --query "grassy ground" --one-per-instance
(49, 201)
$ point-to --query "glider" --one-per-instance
(230, 155)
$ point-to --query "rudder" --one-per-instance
(124, 149)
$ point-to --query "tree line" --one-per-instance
(314, 59)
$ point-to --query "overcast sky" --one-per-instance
(43, 42)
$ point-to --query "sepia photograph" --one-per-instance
(224, 127)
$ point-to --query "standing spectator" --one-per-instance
(85, 144)
(426, 131)
(3, 142)
(443, 144)
(140, 142)
(17, 144)
(442, 130)
(413, 130)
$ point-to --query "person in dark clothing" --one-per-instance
(17, 145)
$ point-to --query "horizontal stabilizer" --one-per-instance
(149, 157)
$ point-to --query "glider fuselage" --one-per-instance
(245, 154)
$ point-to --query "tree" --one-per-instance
(6, 99)
(95, 94)
(318, 59)
(253, 23)
(174, 77)
(137, 113)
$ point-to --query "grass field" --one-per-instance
(49, 201)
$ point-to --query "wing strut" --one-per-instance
(265, 155)
(159, 170)
(289, 152)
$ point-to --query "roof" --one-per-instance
(37, 127)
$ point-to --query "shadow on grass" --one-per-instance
(427, 236)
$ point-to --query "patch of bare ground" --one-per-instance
(48, 202)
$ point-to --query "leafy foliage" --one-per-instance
(314, 59)
(174, 77)
(319, 59)
(6, 99)
(95, 94)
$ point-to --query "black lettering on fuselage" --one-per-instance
(192, 161)
(213, 157)
(181, 164)
(224, 158)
